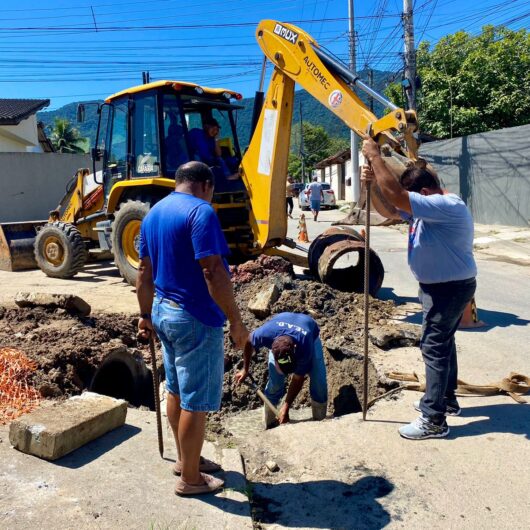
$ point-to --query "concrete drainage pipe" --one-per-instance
(336, 257)
(124, 375)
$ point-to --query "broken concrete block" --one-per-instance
(261, 305)
(69, 302)
(53, 431)
(388, 336)
(272, 466)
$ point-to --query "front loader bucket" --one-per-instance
(16, 245)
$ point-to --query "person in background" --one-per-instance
(315, 197)
(294, 348)
(440, 255)
(289, 194)
(185, 295)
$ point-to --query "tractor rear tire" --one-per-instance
(126, 238)
(60, 251)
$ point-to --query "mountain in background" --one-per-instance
(313, 111)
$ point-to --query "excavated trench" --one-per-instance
(101, 353)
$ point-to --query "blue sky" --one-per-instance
(68, 50)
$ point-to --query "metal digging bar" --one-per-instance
(366, 298)
(154, 371)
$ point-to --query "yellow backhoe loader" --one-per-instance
(145, 132)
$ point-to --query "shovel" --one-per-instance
(253, 385)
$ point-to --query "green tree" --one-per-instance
(65, 138)
(473, 84)
(317, 145)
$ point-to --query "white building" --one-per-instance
(19, 130)
(336, 171)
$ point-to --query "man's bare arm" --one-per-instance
(390, 188)
(145, 291)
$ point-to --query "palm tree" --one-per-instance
(65, 138)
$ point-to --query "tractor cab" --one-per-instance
(144, 135)
(148, 131)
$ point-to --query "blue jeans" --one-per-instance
(443, 305)
(318, 386)
(193, 356)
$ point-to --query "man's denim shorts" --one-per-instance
(193, 356)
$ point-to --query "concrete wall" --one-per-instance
(490, 171)
(32, 184)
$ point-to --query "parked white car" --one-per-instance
(327, 202)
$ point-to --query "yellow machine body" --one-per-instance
(253, 218)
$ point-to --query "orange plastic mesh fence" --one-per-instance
(16, 396)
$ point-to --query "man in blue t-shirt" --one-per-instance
(294, 348)
(185, 294)
(315, 197)
(440, 255)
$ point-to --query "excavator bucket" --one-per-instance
(16, 245)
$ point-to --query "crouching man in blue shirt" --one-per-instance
(294, 348)
(440, 256)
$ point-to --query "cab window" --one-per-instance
(175, 147)
(146, 151)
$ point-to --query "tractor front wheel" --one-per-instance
(126, 238)
(60, 251)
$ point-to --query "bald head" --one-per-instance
(195, 178)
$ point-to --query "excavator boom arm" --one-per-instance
(298, 59)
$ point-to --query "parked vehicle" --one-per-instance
(297, 188)
(327, 202)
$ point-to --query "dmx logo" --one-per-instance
(286, 33)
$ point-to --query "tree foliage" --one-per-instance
(65, 138)
(473, 84)
(317, 145)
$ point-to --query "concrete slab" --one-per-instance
(69, 302)
(117, 482)
(56, 429)
(261, 305)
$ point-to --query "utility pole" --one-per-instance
(354, 140)
(371, 85)
(409, 82)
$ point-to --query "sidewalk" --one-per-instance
(117, 482)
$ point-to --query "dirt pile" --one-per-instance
(261, 267)
(66, 348)
(341, 320)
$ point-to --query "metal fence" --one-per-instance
(490, 171)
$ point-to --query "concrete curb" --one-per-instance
(236, 494)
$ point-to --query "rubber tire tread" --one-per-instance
(76, 252)
(127, 211)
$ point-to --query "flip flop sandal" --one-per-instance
(205, 466)
(211, 484)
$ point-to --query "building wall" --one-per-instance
(20, 138)
(490, 171)
(33, 183)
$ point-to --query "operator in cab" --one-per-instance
(205, 147)
(293, 341)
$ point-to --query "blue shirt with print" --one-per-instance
(440, 238)
(302, 328)
(177, 232)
